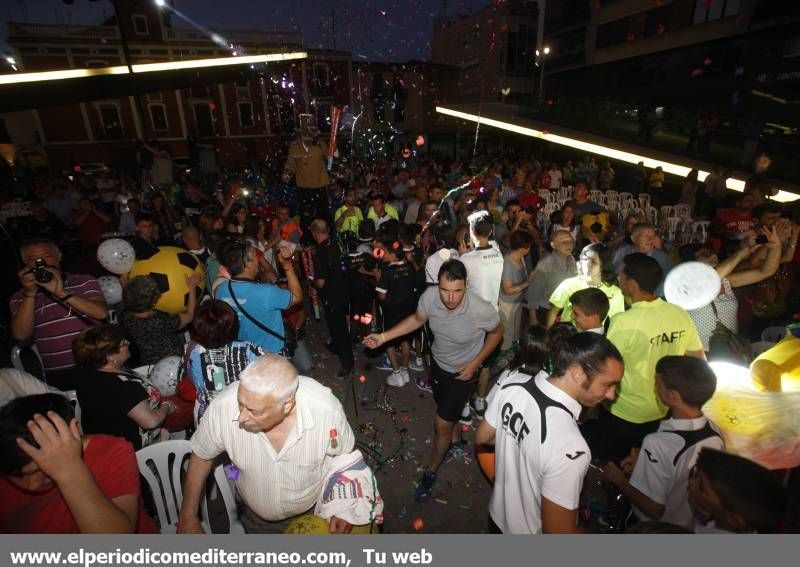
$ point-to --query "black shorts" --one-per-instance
(450, 394)
(394, 314)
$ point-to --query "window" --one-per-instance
(158, 117)
(203, 119)
(140, 24)
(242, 90)
(109, 116)
(285, 115)
(658, 21)
(321, 81)
(246, 114)
(613, 33)
(708, 11)
(792, 47)
(323, 111)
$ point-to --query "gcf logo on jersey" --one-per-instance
(514, 423)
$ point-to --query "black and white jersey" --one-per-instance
(539, 451)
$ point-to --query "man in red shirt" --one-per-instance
(732, 223)
(52, 480)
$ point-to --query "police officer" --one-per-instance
(330, 278)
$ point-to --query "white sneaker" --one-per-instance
(417, 365)
(396, 379)
(466, 415)
(406, 376)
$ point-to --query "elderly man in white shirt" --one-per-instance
(281, 432)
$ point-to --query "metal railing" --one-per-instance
(25, 30)
(236, 36)
(669, 128)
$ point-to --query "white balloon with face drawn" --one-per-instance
(116, 256)
(111, 288)
(165, 375)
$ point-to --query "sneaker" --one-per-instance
(466, 415)
(453, 451)
(383, 363)
(396, 379)
(417, 365)
(421, 382)
(425, 486)
(406, 376)
(478, 406)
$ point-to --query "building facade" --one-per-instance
(245, 120)
(493, 48)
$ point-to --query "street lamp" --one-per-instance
(540, 57)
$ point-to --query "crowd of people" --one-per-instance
(439, 273)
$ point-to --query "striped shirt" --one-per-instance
(278, 485)
(54, 326)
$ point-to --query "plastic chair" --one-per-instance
(16, 357)
(683, 211)
(72, 396)
(162, 465)
(774, 334)
(644, 200)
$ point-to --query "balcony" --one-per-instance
(237, 36)
(22, 31)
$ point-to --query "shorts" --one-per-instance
(392, 316)
(450, 395)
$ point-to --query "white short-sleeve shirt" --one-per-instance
(535, 456)
(278, 485)
(484, 273)
(662, 469)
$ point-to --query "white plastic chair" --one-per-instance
(162, 465)
(72, 396)
(774, 334)
(644, 200)
(683, 211)
(700, 232)
(16, 357)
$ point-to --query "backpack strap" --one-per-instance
(252, 319)
(542, 400)
(692, 438)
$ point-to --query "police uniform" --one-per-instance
(539, 451)
(330, 266)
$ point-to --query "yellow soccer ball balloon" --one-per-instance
(169, 267)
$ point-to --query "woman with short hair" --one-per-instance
(214, 358)
(114, 400)
(154, 333)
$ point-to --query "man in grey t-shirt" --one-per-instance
(466, 330)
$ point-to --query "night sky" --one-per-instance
(375, 30)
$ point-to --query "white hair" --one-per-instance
(270, 375)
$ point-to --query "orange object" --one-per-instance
(486, 461)
(418, 524)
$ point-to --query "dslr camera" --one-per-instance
(40, 272)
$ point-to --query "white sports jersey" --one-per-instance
(662, 469)
(539, 451)
(484, 272)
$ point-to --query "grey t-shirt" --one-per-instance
(457, 335)
(550, 272)
(517, 275)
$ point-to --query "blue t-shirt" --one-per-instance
(264, 303)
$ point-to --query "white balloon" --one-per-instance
(692, 285)
(111, 288)
(116, 256)
(165, 375)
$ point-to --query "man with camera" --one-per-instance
(519, 218)
(52, 307)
